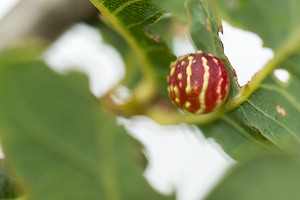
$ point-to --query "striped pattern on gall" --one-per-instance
(198, 83)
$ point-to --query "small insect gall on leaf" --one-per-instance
(280, 110)
(198, 83)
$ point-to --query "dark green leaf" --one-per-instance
(273, 177)
(59, 141)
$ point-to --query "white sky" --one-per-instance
(180, 155)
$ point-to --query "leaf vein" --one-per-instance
(285, 94)
(242, 130)
(124, 5)
(149, 17)
(277, 122)
(236, 126)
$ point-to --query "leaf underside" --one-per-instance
(273, 177)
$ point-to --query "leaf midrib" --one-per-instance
(140, 54)
(124, 5)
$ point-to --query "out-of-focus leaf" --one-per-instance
(273, 177)
(18, 55)
(60, 143)
(130, 19)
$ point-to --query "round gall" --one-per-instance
(198, 83)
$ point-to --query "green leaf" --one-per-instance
(273, 177)
(130, 19)
(60, 143)
(275, 21)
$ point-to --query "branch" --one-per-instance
(43, 19)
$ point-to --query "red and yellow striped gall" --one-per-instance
(198, 83)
